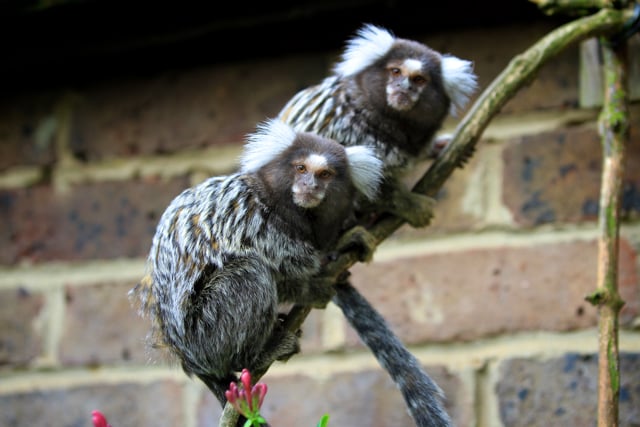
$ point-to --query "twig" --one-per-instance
(577, 7)
(614, 127)
(520, 71)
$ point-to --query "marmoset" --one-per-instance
(391, 94)
(229, 250)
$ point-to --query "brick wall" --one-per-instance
(490, 297)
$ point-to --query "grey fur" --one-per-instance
(422, 395)
(229, 250)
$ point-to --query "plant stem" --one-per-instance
(613, 127)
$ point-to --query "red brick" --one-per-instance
(92, 221)
(478, 293)
(364, 398)
(563, 391)
(101, 327)
(183, 110)
(23, 140)
(20, 343)
(555, 176)
(126, 404)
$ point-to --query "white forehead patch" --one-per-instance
(316, 162)
(412, 65)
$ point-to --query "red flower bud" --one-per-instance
(98, 419)
(259, 391)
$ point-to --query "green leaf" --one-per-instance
(323, 421)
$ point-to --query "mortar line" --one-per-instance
(489, 239)
(45, 276)
(51, 324)
(20, 382)
(490, 409)
(480, 396)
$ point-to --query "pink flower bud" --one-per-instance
(98, 419)
(245, 379)
(232, 393)
(259, 391)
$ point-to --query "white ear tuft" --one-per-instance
(366, 170)
(459, 81)
(271, 138)
(370, 44)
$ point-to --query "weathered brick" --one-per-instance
(488, 291)
(92, 221)
(355, 398)
(125, 404)
(20, 342)
(27, 130)
(181, 110)
(101, 327)
(555, 176)
(563, 391)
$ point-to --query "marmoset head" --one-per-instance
(402, 74)
(308, 168)
(314, 171)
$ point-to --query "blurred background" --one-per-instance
(109, 109)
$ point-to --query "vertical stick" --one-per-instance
(613, 127)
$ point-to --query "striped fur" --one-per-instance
(228, 251)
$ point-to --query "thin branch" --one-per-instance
(521, 70)
(577, 7)
(614, 127)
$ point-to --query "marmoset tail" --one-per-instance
(422, 395)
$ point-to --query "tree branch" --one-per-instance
(521, 70)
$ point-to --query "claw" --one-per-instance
(438, 145)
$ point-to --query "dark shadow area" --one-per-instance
(75, 41)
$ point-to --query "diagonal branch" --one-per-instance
(521, 70)
(577, 7)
